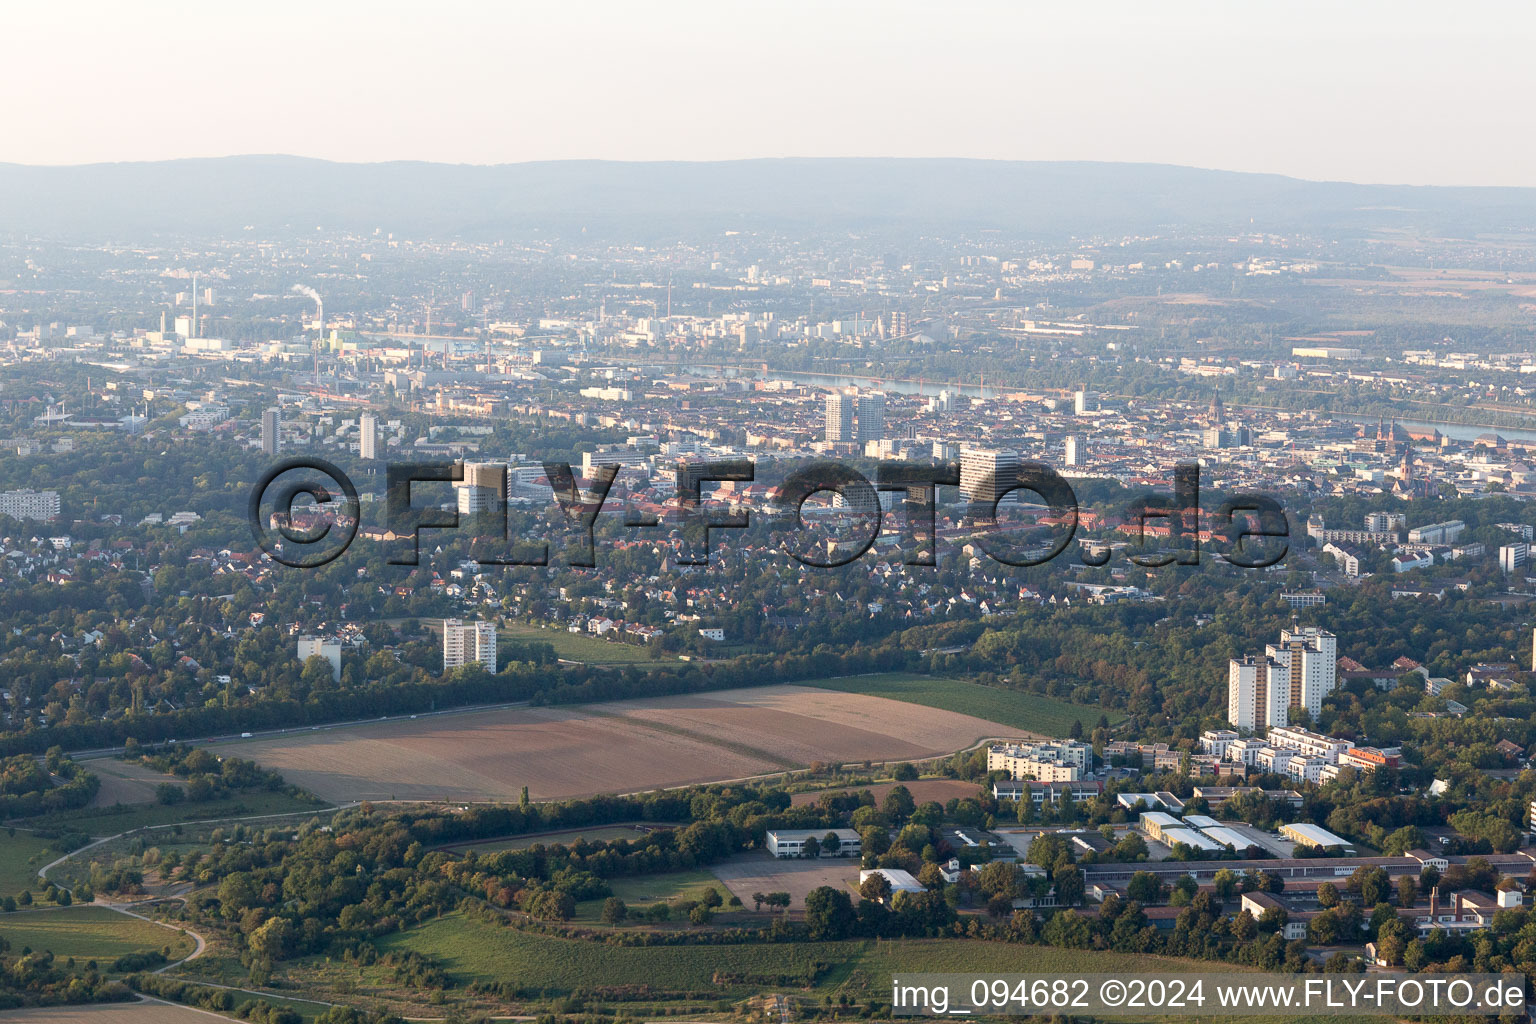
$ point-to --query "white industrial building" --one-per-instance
(1312, 835)
(901, 881)
(785, 843)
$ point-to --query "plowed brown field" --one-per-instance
(618, 747)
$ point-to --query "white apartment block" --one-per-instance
(1513, 556)
(1257, 693)
(1245, 751)
(1067, 761)
(1306, 769)
(839, 425)
(1311, 658)
(330, 650)
(1437, 533)
(1291, 764)
(368, 436)
(1308, 744)
(1077, 450)
(463, 644)
(1278, 761)
(1216, 742)
(1385, 522)
(30, 504)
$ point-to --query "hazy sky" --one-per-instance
(1432, 93)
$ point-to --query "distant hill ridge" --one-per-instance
(285, 195)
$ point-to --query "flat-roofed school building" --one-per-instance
(785, 843)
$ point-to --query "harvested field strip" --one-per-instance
(767, 757)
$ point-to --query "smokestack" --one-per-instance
(1456, 906)
(306, 290)
(1434, 904)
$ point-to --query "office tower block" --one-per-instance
(271, 431)
(987, 473)
(368, 436)
(871, 416)
(1077, 450)
(483, 488)
(839, 417)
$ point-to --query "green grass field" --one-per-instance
(580, 646)
(644, 890)
(108, 821)
(860, 969)
(20, 857)
(1015, 708)
(88, 933)
(470, 949)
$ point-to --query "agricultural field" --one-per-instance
(126, 782)
(922, 790)
(1020, 711)
(89, 933)
(622, 746)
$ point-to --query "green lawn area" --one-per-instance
(470, 949)
(644, 890)
(1014, 708)
(580, 646)
(107, 821)
(88, 933)
(20, 857)
(859, 968)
